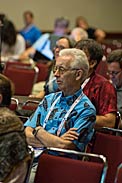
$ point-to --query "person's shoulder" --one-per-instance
(20, 37)
(87, 103)
(99, 78)
(35, 28)
(102, 82)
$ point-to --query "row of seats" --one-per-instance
(25, 75)
(64, 170)
(107, 144)
(25, 109)
(102, 165)
(27, 105)
(32, 104)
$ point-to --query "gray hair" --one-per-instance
(79, 60)
(77, 31)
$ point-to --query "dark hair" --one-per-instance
(13, 145)
(6, 90)
(29, 13)
(3, 18)
(94, 49)
(9, 33)
(115, 56)
(70, 41)
(61, 22)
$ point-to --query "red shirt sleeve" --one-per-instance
(102, 94)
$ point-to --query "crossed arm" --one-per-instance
(45, 139)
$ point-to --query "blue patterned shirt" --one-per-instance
(82, 116)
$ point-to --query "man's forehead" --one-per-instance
(64, 60)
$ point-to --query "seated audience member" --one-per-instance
(6, 91)
(78, 34)
(14, 154)
(99, 90)
(13, 44)
(51, 85)
(43, 47)
(94, 33)
(114, 61)
(64, 119)
(30, 32)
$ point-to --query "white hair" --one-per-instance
(79, 60)
(78, 34)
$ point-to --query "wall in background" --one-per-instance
(105, 14)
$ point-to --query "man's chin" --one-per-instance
(60, 87)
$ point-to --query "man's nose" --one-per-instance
(56, 74)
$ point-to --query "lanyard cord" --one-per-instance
(66, 115)
(48, 114)
(85, 83)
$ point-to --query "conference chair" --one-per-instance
(43, 72)
(63, 169)
(14, 104)
(117, 123)
(30, 105)
(30, 162)
(23, 76)
(118, 178)
(108, 142)
(118, 120)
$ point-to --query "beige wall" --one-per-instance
(106, 14)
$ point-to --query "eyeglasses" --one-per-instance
(113, 73)
(60, 47)
(62, 70)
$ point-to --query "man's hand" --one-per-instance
(45, 139)
(71, 134)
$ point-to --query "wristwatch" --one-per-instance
(35, 131)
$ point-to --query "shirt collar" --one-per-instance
(70, 99)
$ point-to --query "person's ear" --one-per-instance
(92, 63)
(1, 98)
(79, 74)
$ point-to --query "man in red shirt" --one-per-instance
(99, 90)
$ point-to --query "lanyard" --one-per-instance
(48, 114)
(85, 83)
(66, 115)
